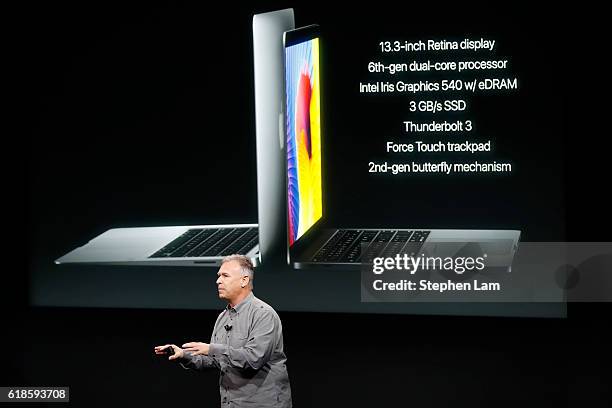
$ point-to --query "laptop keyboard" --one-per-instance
(200, 242)
(345, 246)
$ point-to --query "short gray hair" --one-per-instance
(246, 266)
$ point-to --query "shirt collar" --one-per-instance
(242, 304)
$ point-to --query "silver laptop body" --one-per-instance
(206, 245)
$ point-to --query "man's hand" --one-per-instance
(178, 352)
(196, 348)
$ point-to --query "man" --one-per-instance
(246, 344)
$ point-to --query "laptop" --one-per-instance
(310, 241)
(206, 245)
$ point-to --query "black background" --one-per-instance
(134, 116)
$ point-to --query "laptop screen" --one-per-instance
(303, 133)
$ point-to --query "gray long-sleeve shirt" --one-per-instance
(247, 347)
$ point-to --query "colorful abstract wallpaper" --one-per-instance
(303, 130)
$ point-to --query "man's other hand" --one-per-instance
(196, 348)
(178, 352)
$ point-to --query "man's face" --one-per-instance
(230, 282)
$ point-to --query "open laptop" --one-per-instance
(202, 245)
(310, 242)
